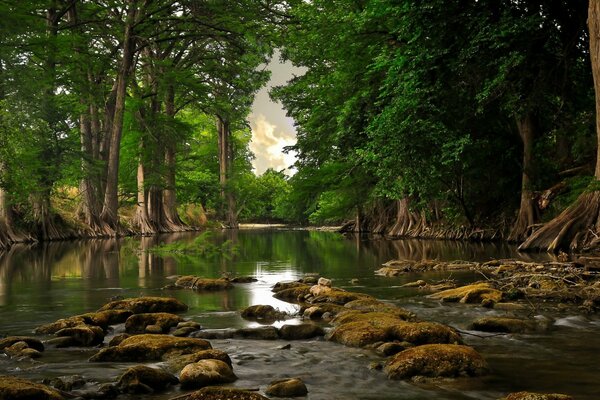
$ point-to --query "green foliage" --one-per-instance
(204, 245)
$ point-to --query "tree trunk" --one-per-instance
(111, 195)
(527, 211)
(577, 226)
(226, 156)
(405, 219)
(142, 219)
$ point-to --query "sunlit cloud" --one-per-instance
(268, 142)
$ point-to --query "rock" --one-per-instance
(300, 332)
(143, 379)
(279, 286)
(419, 283)
(176, 364)
(391, 348)
(354, 281)
(289, 387)
(197, 283)
(263, 313)
(436, 360)
(138, 323)
(139, 305)
(31, 353)
(294, 294)
(475, 293)
(503, 324)
(537, 396)
(189, 324)
(31, 342)
(373, 305)
(510, 307)
(324, 282)
(155, 329)
(337, 296)
(222, 393)
(101, 392)
(357, 334)
(61, 342)
(419, 333)
(206, 372)
(243, 279)
(310, 279)
(226, 333)
(12, 388)
(66, 383)
(60, 324)
(149, 347)
(117, 339)
(260, 333)
(106, 318)
(185, 331)
(389, 271)
(83, 335)
(316, 312)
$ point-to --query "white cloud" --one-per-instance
(267, 145)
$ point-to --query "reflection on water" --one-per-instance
(39, 284)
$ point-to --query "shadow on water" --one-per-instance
(40, 284)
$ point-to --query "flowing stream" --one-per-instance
(55, 280)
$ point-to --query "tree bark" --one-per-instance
(225, 173)
(577, 226)
(111, 200)
(527, 211)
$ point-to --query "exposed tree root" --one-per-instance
(573, 229)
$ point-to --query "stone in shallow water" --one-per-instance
(139, 305)
(83, 335)
(206, 372)
(260, 333)
(150, 347)
(12, 388)
(197, 283)
(222, 393)
(475, 293)
(436, 360)
(32, 342)
(300, 332)
(176, 364)
(226, 333)
(66, 383)
(536, 396)
(143, 379)
(289, 387)
(262, 313)
(503, 324)
(138, 323)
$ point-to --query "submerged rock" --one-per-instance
(222, 393)
(140, 305)
(148, 347)
(260, 333)
(226, 333)
(138, 323)
(436, 360)
(475, 293)
(206, 372)
(503, 324)
(143, 379)
(176, 364)
(300, 332)
(197, 283)
(21, 389)
(536, 396)
(263, 313)
(289, 387)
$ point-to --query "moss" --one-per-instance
(294, 294)
(149, 347)
(316, 311)
(279, 286)
(21, 389)
(31, 342)
(537, 396)
(206, 372)
(423, 333)
(197, 283)
(475, 293)
(288, 387)
(373, 305)
(337, 296)
(357, 334)
(84, 335)
(221, 393)
(503, 324)
(263, 312)
(139, 305)
(139, 378)
(137, 323)
(176, 364)
(436, 360)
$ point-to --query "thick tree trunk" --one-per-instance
(228, 213)
(111, 196)
(142, 220)
(527, 211)
(578, 225)
(405, 219)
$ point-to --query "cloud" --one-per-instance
(267, 145)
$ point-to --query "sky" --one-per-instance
(271, 129)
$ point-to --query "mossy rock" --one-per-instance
(150, 347)
(102, 319)
(288, 387)
(373, 305)
(536, 396)
(379, 319)
(503, 325)
(423, 333)
(176, 364)
(294, 294)
(316, 311)
(222, 393)
(279, 286)
(390, 271)
(32, 342)
(60, 324)
(140, 305)
(83, 335)
(475, 293)
(206, 372)
(259, 333)
(357, 334)
(300, 332)
(436, 360)
(137, 323)
(12, 388)
(197, 283)
(263, 313)
(144, 379)
(337, 296)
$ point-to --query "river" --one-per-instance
(39, 284)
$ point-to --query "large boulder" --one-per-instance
(289, 387)
(138, 323)
(139, 305)
(536, 396)
(223, 393)
(436, 360)
(177, 363)
(503, 324)
(144, 379)
(205, 373)
(150, 347)
(357, 334)
(300, 332)
(475, 293)
(12, 388)
(373, 305)
(197, 283)
(266, 313)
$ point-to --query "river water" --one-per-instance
(43, 283)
